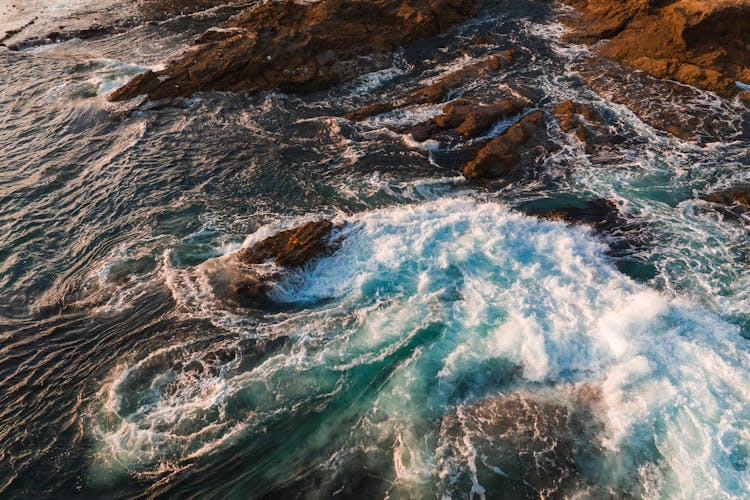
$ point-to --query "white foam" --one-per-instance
(489, 285)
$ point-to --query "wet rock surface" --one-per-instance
(96, 23)
(266, 262)
(438, 90)
(700, 43)
(600, 214)
(521, 146)
(733, 202)
(669, 106)
(299, 47)
(291, 248)
(586, 124)
(468, 117)
(527, 444)
(737, 196)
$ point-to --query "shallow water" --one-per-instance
(392, 365)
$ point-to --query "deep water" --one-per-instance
(452, 346)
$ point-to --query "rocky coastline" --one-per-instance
(307, 47)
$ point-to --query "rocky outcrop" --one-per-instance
(266, 262)
(438, 90)
(522, 145)
(299, 47)
(669, 106)
(469, 117)
(736, 198)
(586, 124)
(291, 248)
(703, 43)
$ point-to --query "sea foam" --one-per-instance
(459, 301)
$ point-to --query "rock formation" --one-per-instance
(600, 214)
(663, 104)
(438, 90)
(299, 47)
(585, 123)
(523, 144)
(733, 202)
(468, 117)
(265, 263)
(703, 43)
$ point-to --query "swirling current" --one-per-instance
(451, 347)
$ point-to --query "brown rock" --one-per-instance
(434, 92)
(300, 47)
(247, 280)
(586, 124)
(523, 144)
(291, 248)
(738, 196)
(469, 117)
(666, 105)
(703, 43)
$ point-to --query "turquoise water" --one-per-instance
(452, 346)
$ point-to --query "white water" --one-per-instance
(453, 288)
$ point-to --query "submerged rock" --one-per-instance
(266, 262)
(299, 47)
(523, 144)
(705, 44)
(628, 240)
(526, 444)
(600, 214)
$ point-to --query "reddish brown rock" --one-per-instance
(468, 117)
(666, 105)
(300, 47)
(434, 92)
(246, 279)
(585, 123)
(738, 196)
(521, 145)
(291, 248)
(703, 43)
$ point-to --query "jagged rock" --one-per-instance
(299, 47)
(521, 145)
(586, 124)
(666, 105)
(736, 197)
(438, 90)
(291, 248)
(263, 264)
(469, 117)
(703, 43)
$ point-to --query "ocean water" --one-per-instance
(451, 347)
